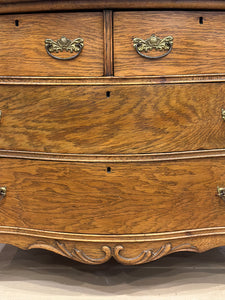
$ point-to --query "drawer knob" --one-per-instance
(154, 42)
(2, 192)
(223, 113)
(221, 192)
(64, 44)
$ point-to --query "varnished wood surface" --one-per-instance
(130, 199)
(37, 5)
(197, 49)
(22, 48)
(134, 119)
(104, 184)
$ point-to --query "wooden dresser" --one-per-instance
(112, 133)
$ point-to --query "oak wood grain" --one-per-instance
(128, 199)
(197, 49)
(22, 48)
(134, 119)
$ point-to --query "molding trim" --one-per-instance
(113, 238)
(111, 80)
(113, 158)
(108, 42)
(116, 252)
(21, 6)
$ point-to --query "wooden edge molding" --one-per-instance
(19, 6)
(113, 238)
(108, 42)
(110, 80)
(113, 158)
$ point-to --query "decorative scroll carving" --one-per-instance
(151, 255)
(75, 254)
(115, 252)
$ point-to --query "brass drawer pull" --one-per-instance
(2, 192)
(151, 43)
(64, 44)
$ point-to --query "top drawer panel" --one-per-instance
(22, 44)
(198, 42)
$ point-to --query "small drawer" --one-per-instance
(112, 119)
(23, 50)
(132, 198)
(196, 40)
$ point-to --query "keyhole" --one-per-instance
(108, 169)
(108, 94)
(16, 23)
(200, 20)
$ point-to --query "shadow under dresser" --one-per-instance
(112, 127)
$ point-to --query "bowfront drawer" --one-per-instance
(124, 119)
(132, 198)
(189, 42)
(30, 44)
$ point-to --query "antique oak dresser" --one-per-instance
(112, 132)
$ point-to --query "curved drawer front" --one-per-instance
(197, 37)
(22, 44)
(125, 119)
(131, 198)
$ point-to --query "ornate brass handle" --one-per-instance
(64, 44)
(2, 192)
(153, 42)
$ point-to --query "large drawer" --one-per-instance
(22, 44)
(198, 42)
(132, 198)
(112, 119)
